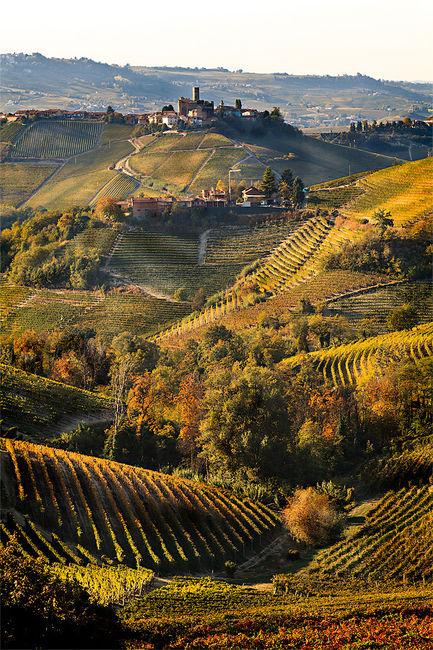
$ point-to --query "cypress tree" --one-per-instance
(268, 185)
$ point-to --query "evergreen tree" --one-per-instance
(268, 185)
(287, 177)
(298, 192)
(238, 104)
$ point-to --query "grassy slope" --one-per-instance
(140, 516)
(114, 132)
(76, 183)
(406, 191)
(19, 180)
(9, 131)
(44, 408)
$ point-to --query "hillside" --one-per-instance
(32, 80)
(43, 408)
(405, 191)
(127, 514)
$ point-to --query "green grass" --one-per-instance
(44, 408)
(54, 139)
(19, 180)
(406, 191)
(81, 178)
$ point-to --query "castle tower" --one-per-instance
(196, 94)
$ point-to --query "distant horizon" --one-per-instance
(221, 68)
(385, 40)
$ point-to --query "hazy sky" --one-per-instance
(382, 38)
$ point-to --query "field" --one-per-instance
(19, 180)
(119, 187)
(115, 132)
(100, 239)
(406, 191)
(394, 542)
(81, 178)
(162, 263)
(135, 516)
(9, 131)
(56, 139)
(44, 408)
(351, 363)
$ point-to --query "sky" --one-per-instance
(382, 38)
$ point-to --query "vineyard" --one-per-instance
(19, 180)
(77, 182)
(55, 140)
(296, 260)
(131, 515)
(406, 191)
(119, 187)
(164, 263)
(375, 305)
(44, 408)
(347, 364)
(394, 543)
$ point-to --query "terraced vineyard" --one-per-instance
(162, 263)
(347, 364)
(406, 191)
(135, 516)
(394, 543)
(376, 304)
(119, 187)
(43, 408)
(11, 296)
(56, 139)
(293, 262)
(100, 239)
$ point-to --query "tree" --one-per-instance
(41, 611)
(298, 196)
(199, 299)
(107, 207)
(402, 318)
(383, 221)
(287, 177)
(190, 400)
(268, 185)
(180, 295)
(276, 114)
(238, 104)
(285, 192)
(312, 517)
(166, 109)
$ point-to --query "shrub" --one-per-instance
(312, 517)
(230, 568)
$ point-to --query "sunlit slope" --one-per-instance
(350, 363)
(394, 543)
(77, 182)
(406, 191)
(130, 514)
(56, 139)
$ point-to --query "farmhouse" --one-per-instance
(252, 196)
(141, 206)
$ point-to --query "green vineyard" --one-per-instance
(118, 187)
(134, 516)
(55, 140)
(394, 543)
(43, 408)
(346, 364)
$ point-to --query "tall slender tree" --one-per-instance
(268, 185)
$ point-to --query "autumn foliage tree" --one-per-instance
(312, 517)
(191, 407)
(108, 208)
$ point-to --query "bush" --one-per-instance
(313, 518)
(230, 568)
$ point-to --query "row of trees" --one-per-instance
(289, 189)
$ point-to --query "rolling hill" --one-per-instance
(130, 515)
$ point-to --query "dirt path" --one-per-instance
(204, 236)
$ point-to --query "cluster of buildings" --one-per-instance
(140, 207)
(190, 112)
